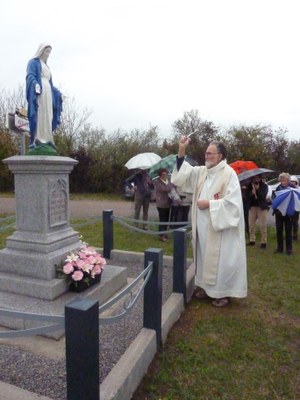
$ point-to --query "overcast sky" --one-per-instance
(136, 63)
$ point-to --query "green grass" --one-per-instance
(248, 351)
(230, 354)
(7, 194)
(96, 196)
(81, 196)
(91, 231)
(124, 239)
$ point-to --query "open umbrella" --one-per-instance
(241, 166)
(287, 201)
(168, 163)
(253, 172)
(142, 161)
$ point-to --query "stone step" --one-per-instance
(113, 279)
(32, 287)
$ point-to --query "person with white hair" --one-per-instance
(283, 221)
(218, 232)
(44, 100)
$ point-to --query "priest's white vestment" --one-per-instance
(218, 232)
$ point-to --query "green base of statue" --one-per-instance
(43, 149)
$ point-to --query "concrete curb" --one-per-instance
(126, 375)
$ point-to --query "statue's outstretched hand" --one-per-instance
(37, 89)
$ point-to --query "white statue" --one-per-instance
(44, 100)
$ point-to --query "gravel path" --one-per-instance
(47, 377)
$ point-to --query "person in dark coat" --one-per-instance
(283, 221)
(142, 186)
(257, 192)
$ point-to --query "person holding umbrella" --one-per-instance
(256, 193)
(141, 183)
(283, 220)
(142, 186)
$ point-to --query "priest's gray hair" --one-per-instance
(221, 148)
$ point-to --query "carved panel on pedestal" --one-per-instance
(58, 202)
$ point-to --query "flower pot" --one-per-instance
(80, 286)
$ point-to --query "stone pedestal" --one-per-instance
(43, 236)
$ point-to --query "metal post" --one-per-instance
(179, 262)
(108, 233)
(153, 293)
(82, 350)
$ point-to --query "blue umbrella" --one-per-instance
(287, 201)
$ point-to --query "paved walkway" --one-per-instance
(93, 208)
(88, 208)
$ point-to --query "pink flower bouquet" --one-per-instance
(86, 265)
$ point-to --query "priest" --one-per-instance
(218, 234)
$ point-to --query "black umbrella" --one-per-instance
(253, 172)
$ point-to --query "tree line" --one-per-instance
(102, 156)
